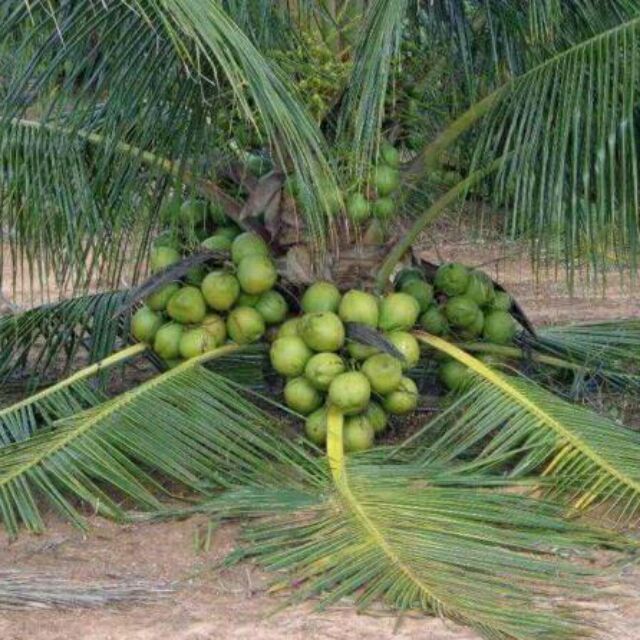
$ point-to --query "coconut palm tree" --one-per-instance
(277, 113)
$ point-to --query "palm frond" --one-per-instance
(507, 420)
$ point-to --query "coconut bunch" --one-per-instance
(235, 301)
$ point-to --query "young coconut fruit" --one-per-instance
(245, 325)
(386, 179)
(359, 351)
(350, 392)
(159, 299)
(406, 275)
(461, 311)
(220, 290)
(383, 371)
(434, 321)
(420, 290)
(195, 342)
(315, 427)
(390, 155)
(408, 346)
(289, 328)
(499, 327)
(398, 312)
(383, 208)
(502, 301)
(321, 296)
(322, 331)
(247, 299)
(162, 257)
(358, 208)
(403, 400)
(144, 324)
(289, 356)
(474, 330)
(301, 396)
(322, 368)
(480, 288)
(357, 434)
(377, 417)
(452, 279)
(454, 375)
(217, 242)
(216, 327)
(167, 340)
(187, 306)
(272, 306)
(248, 244)
(359, 306)
(256, 274)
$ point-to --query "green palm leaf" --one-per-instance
(589, 458)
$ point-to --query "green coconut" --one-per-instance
(383, 371)
(350, 392)
(383, 208)
(315, 427)
(474, 330)
(357, 434)
(454, 375)
(217, 242)
(407, 274)
(452, 279)
(301, 396)
(398, 312)
(289, 356)
(158, 300)
(195, 275)
(167, 340)
(377, 417)
(220, 290)
(480, 288)
(321, 296)
(256, 274)
(230, 231)
(461, 311)
(358, 208)
(247, 299)
(322, 331)
(187, 305)
(408, 346)
(386, 179)
(162, 257)
(420, 290)
(502, 301)
(434, 321)
(499, 327)
(289, 328)
(248, 244)
(193, 212)
(403, 400)
(144, 324)
(322, 368)
(216, 327)
(359, 351)
(245, 325)
(359, 306)
(272, 307)
(390, 155)
(195, 342)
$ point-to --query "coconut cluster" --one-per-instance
(236, 302)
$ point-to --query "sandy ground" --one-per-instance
(231, 604)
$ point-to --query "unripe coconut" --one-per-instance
(193, 212)
(167, 341)
(245, 325)
(144, 324)
(358, 208)
(420, 290)
(301, 396)
(434, 321)
(216, 327)
(390, 155)
(359, 306)
(195, 275)
(322, 331)
(473, 330)
(386, 179)
(359, 351)
(247, 299)
(480, 288)
(162, 257)
(272, 307)
(158, 300)
(315, 427)
(383, 371)
(322, 368)
(357, 434)
(256, 274)
(195, 342)
(289, 328)
(220, 290)
(454, 375)
(502, 301)
(217, 242)
(321, 296)
(248, 244)
(499, 327)
(289, 356)
(408, 346)
(403, 400)
(406, 275)
(187, 305)
(350, 392)
(383, 208)
(452, 279)
(398, 312)
(461, 311)
(230, 231)
(377, 417)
